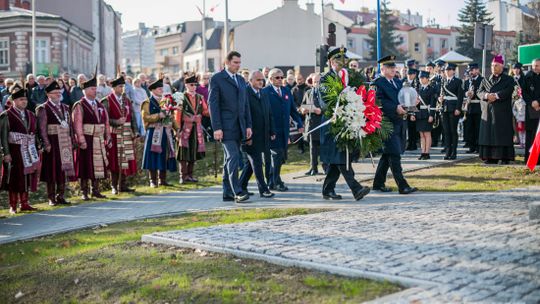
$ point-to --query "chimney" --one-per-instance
(4, 5)
(26, 5)
(290, 2)
(310, 7)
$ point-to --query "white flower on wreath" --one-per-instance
(178, 98)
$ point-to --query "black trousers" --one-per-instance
(530, 134)
(254, 164)
(412, 135)
(450, 127)
(314, 149)
(332, 175)
(473, 130)
(278, 158)
(392, 162)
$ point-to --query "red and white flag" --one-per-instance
(213, 8)
(535, 151)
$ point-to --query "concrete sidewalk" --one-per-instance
(304, 192)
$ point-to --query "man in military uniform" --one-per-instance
(388, 86)
(435, 82)
(18, 128)
(412, 134)
(92, 134)
(330, 154)
(452, 99)
(55, 129)
(472, 107)
(121, 153)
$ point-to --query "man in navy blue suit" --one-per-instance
(283, 108)
(388, 86)
(231, 121)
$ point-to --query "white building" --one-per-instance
(517, 16)
(138, 50)
(263, 42)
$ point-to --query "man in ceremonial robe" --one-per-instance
(56, 132)
(189, 117)
(159, 147)
(92, 134)
(121, 154)
(496, 132)
(18, 128)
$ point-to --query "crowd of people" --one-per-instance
(56, 130)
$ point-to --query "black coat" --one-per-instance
(531, 92)
(387, 94)
(474, 108)
(454, 86)
(429, 96)
(262, 122)
(298, 93)
(496, 126)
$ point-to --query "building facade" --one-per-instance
(261, 46)
(60, 45)
(138, 50)
(516, 16)
(98, 18)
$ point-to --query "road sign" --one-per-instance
(527, 53)
(483, 36)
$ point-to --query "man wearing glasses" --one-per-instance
(283, 109)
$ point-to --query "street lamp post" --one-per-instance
(322, 23)
(379, 34)
(203, 66)
(226, 27)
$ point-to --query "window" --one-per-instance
(42, 50)
(444, 43)
(164, 52)
(429, 42)
(211, 63)
(367, 45)
(175, 50)
(4, 51)
(350, 43)
(417, 47)
(508, 45)
(401, 39)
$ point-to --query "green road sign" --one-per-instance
(527, 53)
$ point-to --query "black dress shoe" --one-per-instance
(408, 190)
(267, 194)
(250, 193)
(241, 198)
(332, 196)
(382, 189)
(228, 199)
(62, 201)
(470, 151)
(443, 151)
(427, 156)
(361, 193)
(505, 162)
(282, 188)
(490, 162)
(309, 173)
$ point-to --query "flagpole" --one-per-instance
(33, 37)
(379, 34)
(226, 27)
(203, 66)
(322, 23)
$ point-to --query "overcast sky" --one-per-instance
(162, 12)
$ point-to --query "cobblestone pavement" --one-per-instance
(460, 248)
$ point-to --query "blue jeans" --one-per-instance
(232, 157)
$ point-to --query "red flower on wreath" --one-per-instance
(372, 113)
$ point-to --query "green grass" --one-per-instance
(472, 176)
(204, 170)
(110, 265)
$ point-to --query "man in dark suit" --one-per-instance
(331, 155)
(231, 121)
(388, 86)
(452, 99)
(531, 95)
(474, 111)
(263, 132)
(283, 109)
